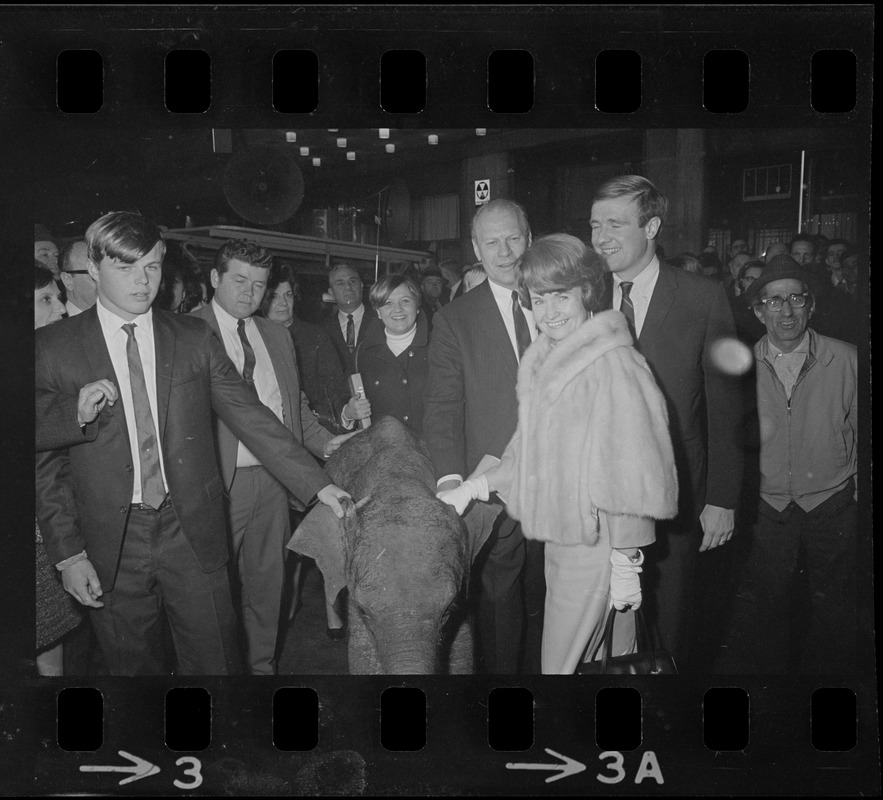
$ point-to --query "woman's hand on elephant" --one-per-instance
(332, 496)
(334, 443)
(465, 493)
(357, 408)
(625, 581)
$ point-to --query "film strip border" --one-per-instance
(596, 66)
(390, 736)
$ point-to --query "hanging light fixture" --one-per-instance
(390, 148)
(384, 133)
(432, 138)
(350, 155)
(480, 131)
(317, 162)
(305, 151)
(290, 136)
(341, 142)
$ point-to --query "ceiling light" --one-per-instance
(317, 162)
(290, 136)
(390, 148)
(341, 142)
(350, 156)
(480, 131)
(432, 138)
(332, 130)
(305, 151)
(384, 133)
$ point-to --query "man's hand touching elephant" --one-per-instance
(465, 493)
(332, 496)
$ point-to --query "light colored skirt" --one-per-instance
(577, 602)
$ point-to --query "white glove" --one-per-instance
(465, 493)
(625, 583)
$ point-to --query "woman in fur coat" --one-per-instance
(590, 467)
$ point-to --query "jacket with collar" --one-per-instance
(808, 444)
(592, 437)
(395, 384)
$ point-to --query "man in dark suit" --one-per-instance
(136, 517)
(257, 507)
(675, 318)
(471, 411)
(347, 325)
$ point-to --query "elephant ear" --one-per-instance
(479, 521)
(319, 536)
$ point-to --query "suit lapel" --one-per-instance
(164, 342)
(277, 361)
(99, 361)
(660, 303)
(497, 327)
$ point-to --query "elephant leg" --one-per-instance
(462, 660)
(363, 658)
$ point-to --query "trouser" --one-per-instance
(500, 618)
(159, 572)
(819, 545)
(259, 529)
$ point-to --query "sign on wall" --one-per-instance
(482, 191)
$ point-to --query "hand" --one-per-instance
(334, 443)
(447, 486)
(81, 581)
(717, 526)
(357, 407)
(625, 583)
(92, 398)
(331, 496)
(465, 493)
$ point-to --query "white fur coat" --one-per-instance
(592, 436)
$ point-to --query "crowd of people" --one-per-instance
(183, 420)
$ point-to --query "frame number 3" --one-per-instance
(193, 771)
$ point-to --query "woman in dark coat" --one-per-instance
(392, 360)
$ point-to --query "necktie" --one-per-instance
(350, 332)
(628, 307)
(522, 332)
(153, 491)
(248, 368)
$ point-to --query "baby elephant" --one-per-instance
(402, 553)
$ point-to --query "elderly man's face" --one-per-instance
(786, 326)
(346, 288)
(78, 283)
(803, 252)
(499, 242)
(47, 253)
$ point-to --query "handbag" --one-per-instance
(647, 661)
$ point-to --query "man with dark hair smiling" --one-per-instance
(135, 521)
(675, 317)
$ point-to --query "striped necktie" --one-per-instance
(627, 307)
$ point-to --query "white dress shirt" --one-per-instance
(358, 315)
(116, 339)
(641, 292)
(503, 299)
(264, 375)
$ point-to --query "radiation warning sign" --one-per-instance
(482, 192)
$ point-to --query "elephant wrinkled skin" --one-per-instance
(403, 554)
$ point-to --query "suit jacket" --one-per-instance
(296, 413)
(85, 492)
(470, 403)
(57, 424)
(320, 372)
(686, 315)
(331, 325)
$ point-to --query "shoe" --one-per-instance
(335, 634)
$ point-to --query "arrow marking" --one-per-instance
(139, 769)
(567, 767)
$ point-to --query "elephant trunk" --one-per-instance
(408, 648)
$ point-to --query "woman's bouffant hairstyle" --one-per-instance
(281, 272)
(560, 262)
(380, 291)
(122, 236)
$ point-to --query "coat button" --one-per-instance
(123, 509)
(404, 380)
(405, 418)
(377, 383)
(128, 467)
(410, 354)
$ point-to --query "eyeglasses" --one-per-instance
(76, 271)
(776, 303)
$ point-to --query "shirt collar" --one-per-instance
(501, 293)
(227, 320)
(802, 347)
(644, 279)
(112, 323)
(357, 314)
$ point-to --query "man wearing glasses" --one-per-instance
(79, 287)
(806, 395)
